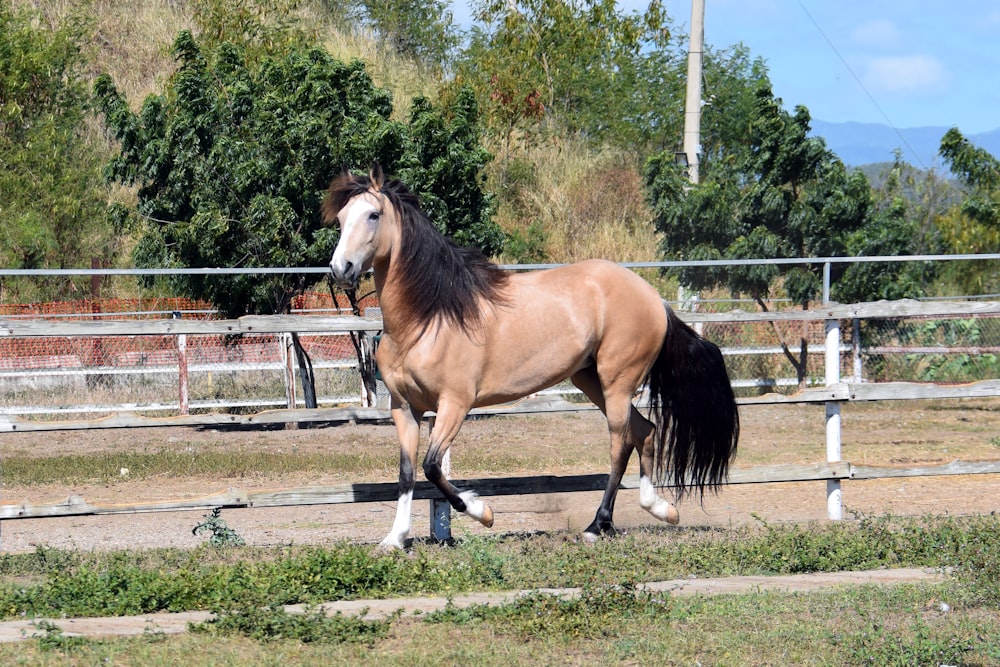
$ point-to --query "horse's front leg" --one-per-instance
(407, 423)
(446, 426)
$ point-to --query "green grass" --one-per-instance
(954, 622)
(53, 582)
(866, 625)
(105, 467)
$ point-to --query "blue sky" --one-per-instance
(908, 63)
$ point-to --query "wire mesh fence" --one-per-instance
(57, 377)
(163, 375)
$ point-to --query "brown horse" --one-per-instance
(460, 333)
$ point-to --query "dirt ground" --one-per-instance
(888, 433)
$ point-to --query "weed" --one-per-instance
(221, 535)
(50, 581)
(51, 638)
(916, 643)
(597, 612)
(272, 622)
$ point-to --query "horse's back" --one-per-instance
(583, 308)
(597, 289)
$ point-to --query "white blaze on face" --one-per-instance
(359, 222)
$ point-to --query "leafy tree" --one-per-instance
(730, 78)
(779, 193)
(559, 65)
(423, 30)
(52, 196)
(979, 171)
(973, 226)
(900, 221)
(233, 160)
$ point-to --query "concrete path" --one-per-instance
(167, 623)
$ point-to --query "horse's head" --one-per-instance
(359, 207)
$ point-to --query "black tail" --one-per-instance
(692, 403)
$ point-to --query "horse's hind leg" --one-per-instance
(446, 426)
(631, 432)
(617, 410)
(649, 499)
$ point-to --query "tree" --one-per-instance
(779, 193)
(559, 65)
(233, 160)
(979, 171)
(900, 221)
(423, 30)
(53, 196)
(974, 225)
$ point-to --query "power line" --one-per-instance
(861, 85)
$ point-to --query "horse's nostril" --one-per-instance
(348, 268)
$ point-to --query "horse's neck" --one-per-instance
(391, 299)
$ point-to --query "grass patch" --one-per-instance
(272, 623)
(868, 625)
(954, 622)
(54, 582)
(106, 467)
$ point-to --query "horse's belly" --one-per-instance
(523, 372)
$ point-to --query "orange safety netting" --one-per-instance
(21, 354)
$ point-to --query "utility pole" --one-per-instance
(692, 105)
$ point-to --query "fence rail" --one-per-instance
(835, 393)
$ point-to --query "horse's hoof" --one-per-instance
(487, 518)
(671, 515)
(389, 545)
(665, 511)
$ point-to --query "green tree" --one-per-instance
(559, 65)
(52, 196)
(423, 30)
(900, 221)
(233, 160)
(973, 225)
(779, 193)
(979, 171)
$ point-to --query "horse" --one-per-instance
(459, 332)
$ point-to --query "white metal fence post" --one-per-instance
(834, 499)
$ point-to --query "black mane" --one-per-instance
(440, 279)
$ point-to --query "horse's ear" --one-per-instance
(376, 176)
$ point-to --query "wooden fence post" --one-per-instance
(182, 371)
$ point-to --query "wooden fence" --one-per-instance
(833, 395)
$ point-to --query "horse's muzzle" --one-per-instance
(345, 274)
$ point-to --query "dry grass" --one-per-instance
(131, 41)
(590, 204)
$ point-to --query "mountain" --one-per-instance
(864, 143)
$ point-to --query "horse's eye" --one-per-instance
(374, 216)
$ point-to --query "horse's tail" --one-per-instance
(691, 401)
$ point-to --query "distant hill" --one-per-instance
(866, 143)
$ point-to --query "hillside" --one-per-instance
(867, 143)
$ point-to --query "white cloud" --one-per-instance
(880, 33)
(906, 74)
